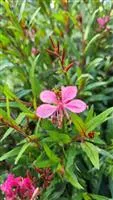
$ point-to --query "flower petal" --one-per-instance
(101, 22)
(76, 106)
(45, 110)
(48, 96)
(68, 93)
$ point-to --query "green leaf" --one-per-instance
(105, 153)
(34, 15)
(23, 93)
(43, 163)
(99, 119)
(86, 196)
(22, 150)
(22, 9)
(89, 45)
(84, 78)
(33, 80)
(18, 120)
(95, 85)
(94, 63)
(99, 197)
(111, 186)
(10, 154)
(90, 114)
(19, 103)
(6, 6)
(23, 108)
(71, 177)
(57, 194)
(51, 154)
(59, 137)
(90, 22)
(78, 122)
(8, 92)
(70, 156)
(92, 153)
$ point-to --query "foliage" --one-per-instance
(47, 45)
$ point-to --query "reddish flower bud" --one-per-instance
(91, 134)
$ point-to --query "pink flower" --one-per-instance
(10, 187)
(15, 187)
(102, 21)
(57, 104)
(26, 188)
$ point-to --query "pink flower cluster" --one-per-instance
(17, 188)
(102, 21)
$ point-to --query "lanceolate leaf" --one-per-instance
(78, 122)
(10, 154)
(7, 92)
(99, 197)
(59, 137)
(51, 155)
(95, 85)
(92, 153)
(10, 130)
(33, 79)
(34, 15)
(71, 177)
(90, 114)
(22, 150)
(43, 163)
(96, 37)
(99, 119)
(22, 9)
(94, 63)
(71, 154)
(90, 22)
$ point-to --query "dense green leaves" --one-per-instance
(10, 130)
(51, 155)
(99, 119)
(10, 154)
(22, 150)
(59, 137)
(71, 177)
(45, 45)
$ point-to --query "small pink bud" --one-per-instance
(34, 51)
(102, 21)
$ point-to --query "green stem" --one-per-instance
(67, 78)
(34, 103)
